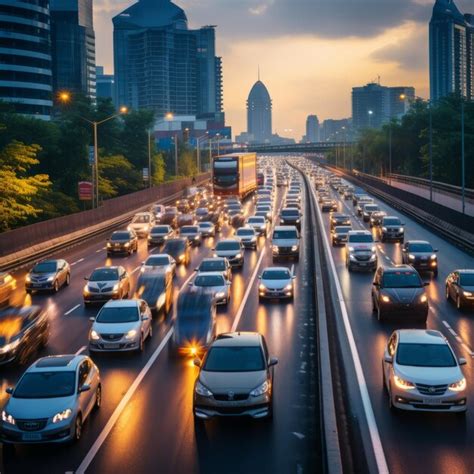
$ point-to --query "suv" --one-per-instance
(399, 291)
(360, 250)
(391, 228)
(290, 216)
(285, 242)
(232, 249)
(368, 210)
(235, 378)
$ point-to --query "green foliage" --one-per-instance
(117, 176)
(158, 168)
(187, 164)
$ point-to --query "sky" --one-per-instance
(310, 52)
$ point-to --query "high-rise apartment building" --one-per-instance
(312, 129)
(451, 51)
(25, 52)
(104, 83)
(259, 114)
(73, 46)
(162, 65)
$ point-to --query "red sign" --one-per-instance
(85, 190)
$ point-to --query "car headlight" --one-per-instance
(433, 257)
(28, 278)
(131, 334)
(262, 287)
(351, 249)
(298, 221)
(50, 279)
(142, 270)
(374, 248)
(384, 229)
(401, 229)
(86, 290)
(373, 257)
(10, 346)
(7, 418)
(423, 299)
(94, 335)
(181, 258)
(411, 256)
(239, 255)
(467, 293)
(220, 294)
(129, 227)
(288, 287)
(294, 248)
(385, 299)
(115, 288)
(403, 384)
(200, 389)
(63, 415)
(261, 389)
(127, 244)
(458, 386)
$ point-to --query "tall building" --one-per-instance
(333, 130)
(400, 99)
(73, 46)
(162, 65)
(312, 129)
(25, 49)
(451, 51)
(259, 114)
(104, 83)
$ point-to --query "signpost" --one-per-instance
(85, 190)
(145, 174)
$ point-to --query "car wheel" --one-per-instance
(459, 304)
(56, 286)
(98, 397)
(68, 279)
(78, 428)
(448, 296)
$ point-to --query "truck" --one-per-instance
(234, 174)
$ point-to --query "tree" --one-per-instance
(134, 137)
(158, 168)
(117, 176)
(18, 187)
(187, 164)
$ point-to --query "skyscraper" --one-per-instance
(259, 113)
(25, 68)
(162, 65)
(312, 129)
(451, 51)
(105, 83)
(73, 46)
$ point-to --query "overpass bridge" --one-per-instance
(317, 147)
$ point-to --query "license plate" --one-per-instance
(432, 401)
(363, 264)
(36, 285)
(112, 346)
(31, 437)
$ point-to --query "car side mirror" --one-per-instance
(9, 390)
(388, 358)
(435, 250)
(92, 319)
(84, 388)
(462, 361)
(273, 361)
(197, 362)
(190, 283)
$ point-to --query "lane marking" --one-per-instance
(135, 270)
(458, 338)
(82, 349)
(100, 250)
(77, 261)
(71, 310)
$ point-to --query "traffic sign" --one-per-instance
(85, 190)
(91, 155)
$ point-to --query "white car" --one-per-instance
(159, 262)
(207, 229)
(247, 236)
(259, 223)
(142, 223)
(214, 283)
(158, 210)
(421, 372)
(276, 282)
(121, 326)
(232, 249)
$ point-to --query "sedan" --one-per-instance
(106, 283)
(192, 233)
(367, 211)
(391, 228)
(339, 234)
(248, 237)
(185, 219)
(421, 255)
(329, 205)
(421, 373)
(290, 216)
(231, 249)
(259, 223)
(460, 288)
(159, 234)
(159, 262)
(339, 219)
(121, 326)
(51, 401)
(179, 249)
(276, 282)
(216, 264)
(207, 229)
(170, 217)
(122, 241)
(213, 283)
(48, 275)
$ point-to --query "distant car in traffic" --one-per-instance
(329, 205)
(376, 218)
(157, 289)
(185, 220)
(285, 242)
(367, 211)
(7, 285)
(170, 217)
(276, 282)
(106, 283)
(391, 228)
(48, 275)
(421, 255)
(339, 234)
(259, 223)
(339, 219)
(213, 283)
(179, 249)
(159, 262)
(207, 229)
(247, 236)
(192, 233)
(290, 216)
(361, 252)
(122, 241)
(158, 210)
(159, 234)
(231, 249)
(142, 223)
(216, 264)
(460, 288)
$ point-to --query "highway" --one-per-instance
(145, 423)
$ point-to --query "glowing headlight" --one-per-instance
(288, 287)
(262, 287)
(27, 279)
(433, 257)
(373, 248)
(115, 288)
(467, 293)
(131, 334)
(385, 299)
(161, 300)
(10, 346)
(239, 255)
(200, 389)
(458, 386)
(401, 229)
(142, 270)
(129, 227)
(63, 415)
(261, 389)
(94, 335)
(220, 294)
(86, 290)
(50, 279)
(423, 298)
(294, 248)
(373, 256)
(411, 256)
(384, 229)
(127, 244)
(351, 249)
(403, 384)
(181, 258)
(7, 418)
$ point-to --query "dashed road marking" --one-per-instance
(82, 349)
(77, 261)
(458, 338)
(71, 310)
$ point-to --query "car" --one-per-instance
(357, 196)
(142, 223)
(51, 401)
(232, 249)
(7, 286)
(422, 373)
(122, 241)
(180, 249)
(157, 289)
(121, 326)
(361, 203)
(361, 252)
(201, 214)
(391, 228)
(158, 210)
(376, 218)
(247, 236)
(460, 288)
(329, 205)
(399, 291)
(290, 216)
(235, 378)
(23, 331)
(237, 221)
(339, 234)
(323, 196)
(195, 324)
(267, 209)
(421, 255)
(367, 211)
(216, 264)
(170, 217)
(183, 206)
(159, 234)
(159, 262)
(339, 219)
(207, 229)
(48, 275)
(347, 195)
(217, 218)
(191, 232)
(292, 204)
(285, 242)
(276, 282)
(213, 283)
(184, 220)
(106, 283)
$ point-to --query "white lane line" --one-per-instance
(458, 338)
(77, 261)
(100, 250)
(82, 349)
(452, 332)
(292, 269)
(71, 310)
(135, 270)
(364, 392)
(446, 324)
(468, 349)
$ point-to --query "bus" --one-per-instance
(234, 174)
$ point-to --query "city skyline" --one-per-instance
(394, 47)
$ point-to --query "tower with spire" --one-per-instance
(259, 112)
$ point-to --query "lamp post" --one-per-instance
(218, 135)
(198, 156)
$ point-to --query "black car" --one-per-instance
(202, 214)
(376, 218)
(338, 219)
(23, 331)
(156, 288)
(421, 255)
(170, 217)
(183, 206)
(159, 234)
(329, 205)
(460, 288)
(122, 241)
(195, 323)
(217, 219)
(192, 233)
(399, 291)
(339, 234)
(392, 228)
(290, 216)
(179, 249)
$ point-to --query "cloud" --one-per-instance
(261, 8)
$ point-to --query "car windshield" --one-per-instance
(245, 232)
(284, 234)
(228, 246)
(46, 385)
(392, 221)
(361, 239)
(234, 359)
(157, 261)
(467, 279)
(209, 280)
(256, 220)
(142, 219)
(159, 229)
(276, 275)
(212, 266)
(401, 279)
(371, 208)
(420, 248)
(290, 213)
(205, 225)
(425, 355)
(173, 246)
(120, 236)
(342, 229)
(126, 314)
(104, 274)
(190, 230)
(45, 267)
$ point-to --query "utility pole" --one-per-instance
(390, 152)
